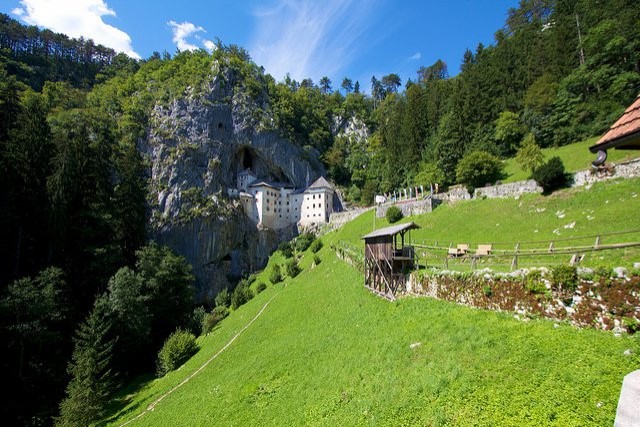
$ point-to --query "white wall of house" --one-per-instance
(278, 208)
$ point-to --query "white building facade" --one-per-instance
(277, 205)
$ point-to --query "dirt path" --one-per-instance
(153, 404)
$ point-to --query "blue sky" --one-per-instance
(306, 38)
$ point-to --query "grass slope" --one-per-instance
(574, 156)
(327, 352)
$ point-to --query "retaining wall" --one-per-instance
(408, 207)
(629, 169)
(338, 219)
(513, 189)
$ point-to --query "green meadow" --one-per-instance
(325, 351)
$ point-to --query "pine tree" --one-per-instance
(92, 381)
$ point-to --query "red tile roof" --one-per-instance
(625, 133)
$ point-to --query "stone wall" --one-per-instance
(607, 302)
(408, 207)
(513, 189)
(338, 219)
(455, 193)
(629, 169)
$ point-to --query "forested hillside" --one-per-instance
(76, 201)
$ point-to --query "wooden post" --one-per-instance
(473, 263)
(550, 247)
(446, 262)
(517, 247)
(514, 263)
(597, 242)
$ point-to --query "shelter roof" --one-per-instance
(625, 133)
(391, 231)
(247, 172)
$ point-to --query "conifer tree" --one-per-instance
(92, 381)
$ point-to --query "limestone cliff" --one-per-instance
(195, 146)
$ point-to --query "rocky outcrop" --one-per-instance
(195, 146)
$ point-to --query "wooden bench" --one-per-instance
(484, 250)
(459, 250)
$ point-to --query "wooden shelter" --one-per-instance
(387, 259)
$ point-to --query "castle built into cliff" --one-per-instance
(277, 205)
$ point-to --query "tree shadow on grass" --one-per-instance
(118, 407)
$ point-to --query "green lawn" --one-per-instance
(327, 352)
(574, 156)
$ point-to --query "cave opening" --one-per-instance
(247, 159)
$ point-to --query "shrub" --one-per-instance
(529, 155)
(303, 241)
(177, 349)
(286, 249)
(260, 287)
(212, 319)
(316, 260)
(551, 175)
(293, 269)
(631, 324)
(478, 168)
(316, 245)
(195, 322)
(565, 277)
(241, 294)
(223, 299)
(275, 276)
(487, 291)
(394, 214)
(534, 284)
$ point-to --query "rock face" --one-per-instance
(195, 146)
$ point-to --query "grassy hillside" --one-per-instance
(327, 352)
(574, 156)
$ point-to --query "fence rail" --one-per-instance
(529, 253)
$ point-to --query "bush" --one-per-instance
(394, 214)
(303, 241)
(316, 246)
(212, 319)
(195, 322)
(241, 294)
(565, 277)
(478, 168)
(260, 287)
(177, 349)
(316, 260)
(529, 155)
(223, 299)
(487, 291)
(631, 324)
(534, 284)
(293, 269)
(275, 276)
(286, 249)
(551, 175)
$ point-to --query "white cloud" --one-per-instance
(181, 32)
(209, 45)
(76, 18)
(309, 38)
(416, 56)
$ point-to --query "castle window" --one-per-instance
(314, 206)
